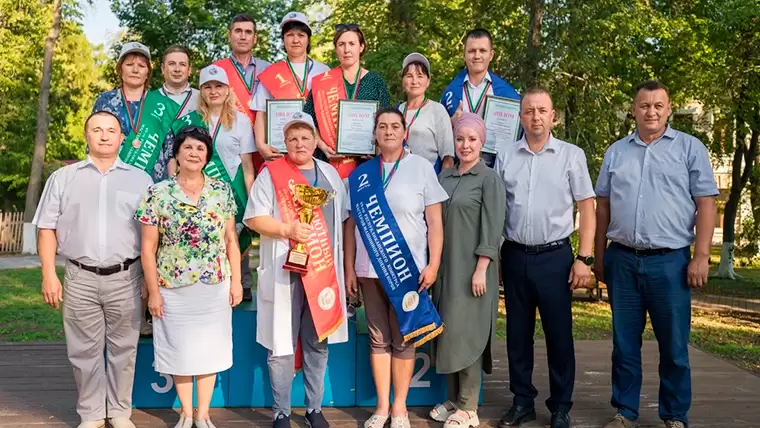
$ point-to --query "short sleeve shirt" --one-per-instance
(234, 142)
(412, 188)
(192, 236)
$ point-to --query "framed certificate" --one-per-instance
(278, 113)
(502, 120)
(356, 127)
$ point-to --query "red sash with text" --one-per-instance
(320, 283)
(278, 80)
(326, 90)
(242, 97)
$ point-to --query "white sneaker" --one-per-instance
(121, 423)
(93, 424)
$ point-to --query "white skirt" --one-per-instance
(194, 337)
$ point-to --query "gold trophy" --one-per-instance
(310, 198)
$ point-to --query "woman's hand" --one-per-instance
(479, 282)
(328, 151)
(236, 294)
(352, 284)
(298, 231)
(427, 277)
(156, 305)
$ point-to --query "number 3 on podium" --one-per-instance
(166, 388)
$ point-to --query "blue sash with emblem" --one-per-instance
(390, 255)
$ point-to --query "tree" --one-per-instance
(43, 120)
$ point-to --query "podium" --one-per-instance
(348, 379)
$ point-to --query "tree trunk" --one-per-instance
(740, 175)
(40, 137)
(530, 77)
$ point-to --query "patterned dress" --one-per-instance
(194, 336)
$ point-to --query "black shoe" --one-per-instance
(281, 421)
(316, 419)
(560, 420)
(247, 295)
(517, 415)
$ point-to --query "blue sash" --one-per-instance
(390, 255)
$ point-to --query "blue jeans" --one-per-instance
(654, 284)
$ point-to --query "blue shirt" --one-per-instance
(541, 189)
(112, 102)
(651, 189)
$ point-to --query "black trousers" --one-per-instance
(539, 281)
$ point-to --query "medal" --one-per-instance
(136, 143)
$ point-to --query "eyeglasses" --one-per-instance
(347, 27)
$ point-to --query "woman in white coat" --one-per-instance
(307, 304)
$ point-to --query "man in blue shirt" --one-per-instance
(654, 187)
(469, 89)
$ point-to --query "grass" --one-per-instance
(748, 286)
(734, 336)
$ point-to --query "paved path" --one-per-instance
(37, 390)
(23, 262)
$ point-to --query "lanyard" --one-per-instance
(387, 180)
(473, 108)
(302, 85)
(135, 125)
(183, 105)
(408, 127)
(316, 172)
(352, 95)
(216, 132)
(241, 72)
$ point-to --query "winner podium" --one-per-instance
(348, 379)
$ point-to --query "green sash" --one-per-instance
(142, 147)
(216, 169)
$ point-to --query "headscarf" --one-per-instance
(472, 121)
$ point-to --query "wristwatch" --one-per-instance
(587, 260)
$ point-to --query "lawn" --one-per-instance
(734, 336)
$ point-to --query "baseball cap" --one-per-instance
(134, 47)
(295, 17)
(213, 73)
(298, 117)
(416, 57)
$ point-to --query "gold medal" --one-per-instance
(136, 143)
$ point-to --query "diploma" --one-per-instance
(502, 120)
(356, 127)
(278, 113)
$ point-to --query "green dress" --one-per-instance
(473, 219)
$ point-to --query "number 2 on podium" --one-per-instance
(416, 382)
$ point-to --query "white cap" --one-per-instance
(295, 17)
(134, 47)
(416, 57)
(213, 73)
(298, 117)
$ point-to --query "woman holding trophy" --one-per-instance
(298, 205)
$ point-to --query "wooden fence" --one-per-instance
(11, 232)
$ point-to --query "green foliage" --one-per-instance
(24, 24)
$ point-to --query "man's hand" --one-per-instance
(52, 290)
(458, 112)
(580, 275)
(599, 268)
(696, 273)
(352, 284)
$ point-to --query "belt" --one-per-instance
(107, 270)
(543, 248)
(646, 251)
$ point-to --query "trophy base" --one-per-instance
(296, 262)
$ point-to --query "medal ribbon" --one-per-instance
(408, 127)
(387, 180)
(474, 109)
(302, 85)
(241, 73)
(352, 95)
(183, 105)
(135, 125)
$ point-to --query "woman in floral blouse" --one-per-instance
(191, 260)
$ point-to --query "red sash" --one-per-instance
(320, 283)
(280, 82)
(242, 97)
(326, 90)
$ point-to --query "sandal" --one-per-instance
(400, 421)
(441, 412)
(457, 421)
(376, 421)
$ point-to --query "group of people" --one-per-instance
(177, 181)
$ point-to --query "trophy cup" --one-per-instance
(310, 198)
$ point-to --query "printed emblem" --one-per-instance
(297, 115)
(326, 299)
(292, 15)
(410, 301)
(212, 71)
